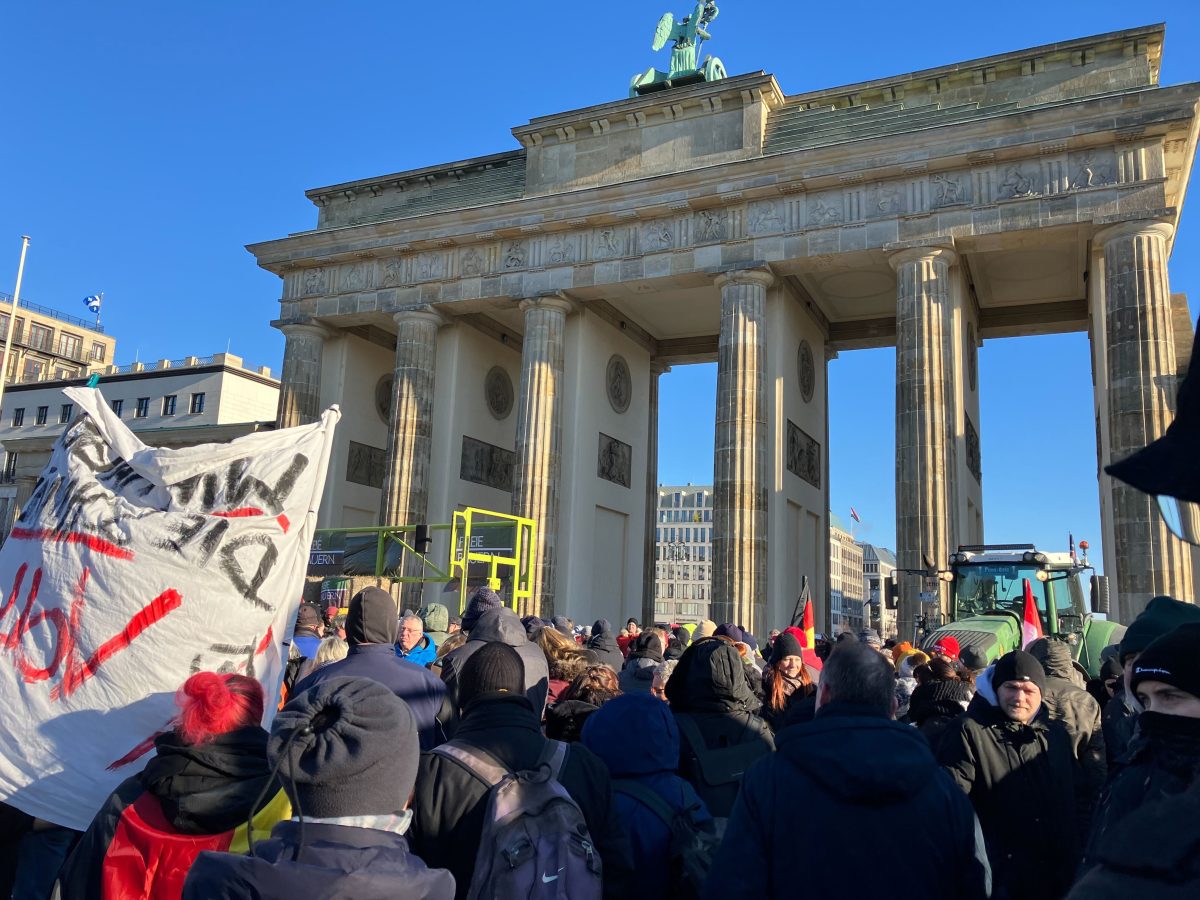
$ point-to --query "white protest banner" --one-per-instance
(129, 569)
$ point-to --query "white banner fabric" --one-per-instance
(131, 568)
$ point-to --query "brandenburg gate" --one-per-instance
(495, 328)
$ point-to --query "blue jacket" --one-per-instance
(419, 688)
(843, 785)
(337, 861)
(637, 738)
(307, 644)
(422, 654)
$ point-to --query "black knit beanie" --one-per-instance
(1018, 666)
(1162, 614)
(360, 756)
(785, 645)
(1173, 659)
(492, 668)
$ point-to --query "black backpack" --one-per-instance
(715, 772)
(693, 843)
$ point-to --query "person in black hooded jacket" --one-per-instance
(845, 779)
(196, 793)
(645, 655)
(603, 645)
(719, 724)
(938, 701)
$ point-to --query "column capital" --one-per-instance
(657, 368)
(305, 329)
(901, 254)
(1149, 227)
(555, 302)
(420, 314)
(760, 276)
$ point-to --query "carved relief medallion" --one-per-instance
(383, 398)
(498, 392)
(618, 383)
(806, 370)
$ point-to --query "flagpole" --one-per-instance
(12, 319)
(98, 306)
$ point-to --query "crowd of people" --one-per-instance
(419, 755)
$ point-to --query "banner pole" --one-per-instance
(12, 319)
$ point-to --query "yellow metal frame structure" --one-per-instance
(463, 533)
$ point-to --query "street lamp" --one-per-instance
(677, 552)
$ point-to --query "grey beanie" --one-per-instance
(352, 749)
(481, 601)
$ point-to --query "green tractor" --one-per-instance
(988, 587)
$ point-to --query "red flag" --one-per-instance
(854, 515)
(1031, 627)
(808, 627)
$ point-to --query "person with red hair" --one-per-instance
(207, 775)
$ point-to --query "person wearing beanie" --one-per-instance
(946, 645)
(477, 604)
(563, 626)
(851, 771)
(1018, 767)
(1165, 760)
(706, 628)
(646, 655)
(729, 630)
(497, 625)
(603, 645)
(347, 753)
(1120, 717)
(899, 650)
(372, 629)
(788, 686)
(498, 719)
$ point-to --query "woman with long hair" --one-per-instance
(196, 793)
(591, 689)
(565, 660)
(786, 684)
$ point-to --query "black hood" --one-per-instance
(860, 758)
(372, 618)
(711, 677)
(208, 788)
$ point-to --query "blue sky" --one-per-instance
(146, 143)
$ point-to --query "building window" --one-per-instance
(42, 413)
(143, 407)
(169, 405)
(117, 406)
(70, 345)
(18, 417)
(41, 337)
(10, 466)
(34, 368)
(64, 414)
(197, 403)
(97, 351)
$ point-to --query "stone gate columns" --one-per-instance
(926, 417)
(650, 553)
(410, 438)
(739, 564)
(539, 439)
(1141, 382)
(300, 383)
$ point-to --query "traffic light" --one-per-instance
(891, 591)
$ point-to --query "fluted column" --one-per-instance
(539, 440)
(1141, 371)
(300, 384)
(926, 421)
(739, 565)
(650, 551)
(410, 437)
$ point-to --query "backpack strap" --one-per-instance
(554, 755)
(476, 760)
(691, 732)
(647, 797)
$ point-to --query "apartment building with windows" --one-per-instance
(170, 403)
(846, 593)
(51, 345)
(683, 564)
(878, 565)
